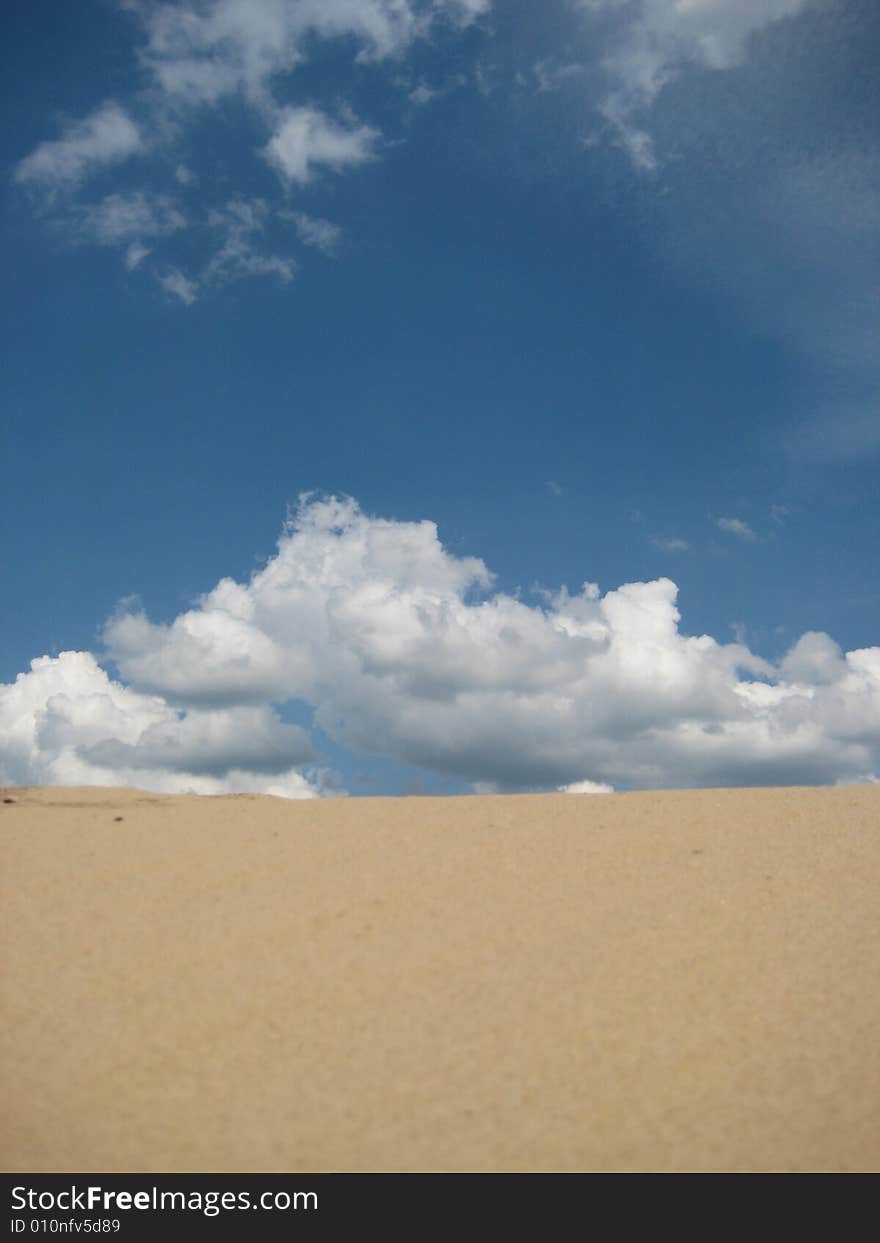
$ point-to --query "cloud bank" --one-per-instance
(404, 650)
(66, 722)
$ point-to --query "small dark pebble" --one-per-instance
(9, 800)
(117, 818)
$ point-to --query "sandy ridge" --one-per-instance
(674, 980)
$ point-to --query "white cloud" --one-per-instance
(737, 527)
(550, 74)
(313, 231)
(118, 218)
(815, 659)
(670, 543)
(196, 53)
(200, 50)
(239, 222)
(797, 205)
(174, 282)
(422, 94)
(65, 722)
(305, 138)
(587, 787)
(657, 38)
(404, 651)
(106, 136)
(135, 255)
(795, 198)
(465, 10)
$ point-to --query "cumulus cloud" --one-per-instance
(655, 39)
(815, 659)
(305, 139)
(66, 722)
(405, 650)
(587, 787)
(107, 136)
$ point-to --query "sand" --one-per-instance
(673, 981)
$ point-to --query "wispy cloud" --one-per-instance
(135, 255)
(670, 543)
(423, 94)
(197, 51)
(551, 74)
(118, 218)
(655, 40)
(737, 527)
(180, 286)
(778, 160)
(107, 136)
(239, 223)
(195, 54)
(314, 231)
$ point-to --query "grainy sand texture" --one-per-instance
(673, 981)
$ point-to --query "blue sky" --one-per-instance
(590, 286)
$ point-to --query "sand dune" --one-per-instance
(675, 981)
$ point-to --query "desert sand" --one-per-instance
(671, 981)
